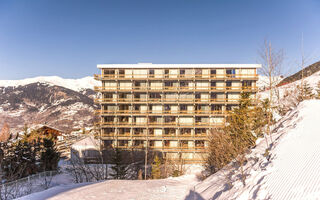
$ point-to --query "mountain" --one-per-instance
(73, 84)
(66, 104)
(308, 71)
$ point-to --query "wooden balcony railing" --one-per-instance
(163, 112)
(170, 124)
(167, 100)
(164, 148)
(152, 136)
(174, 88)
(174, 76)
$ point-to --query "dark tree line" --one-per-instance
(27, 156)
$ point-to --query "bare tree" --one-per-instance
(271, 60)
(82, 172)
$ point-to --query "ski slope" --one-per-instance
(294, 172)
(291, 172)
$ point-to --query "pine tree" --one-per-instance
(261, 117)
(235, 139)
(49, 156)
(19, 160)
(305, 92)
(28, 158)
(119, 169)
(239, 124)
(156, 168)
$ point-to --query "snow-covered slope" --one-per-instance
(311, 80)
(73, 84)
(291, 171)
(169, 189)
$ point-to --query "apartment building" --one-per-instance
(169, 108)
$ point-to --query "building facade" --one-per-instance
(169, 108)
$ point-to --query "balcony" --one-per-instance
(164, 112)
(174, 89)
(168, 101)
(157, 124)
(175, 76)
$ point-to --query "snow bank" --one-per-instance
(73, 84)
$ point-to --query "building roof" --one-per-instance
(150, 65)
(88, 142)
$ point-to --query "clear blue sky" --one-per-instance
(68, 38)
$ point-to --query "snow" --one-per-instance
(311, 80)
(291, 171)
(171, 188)
(73, 84)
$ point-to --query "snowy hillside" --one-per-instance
(311, 80)
(73, 84)
(289, 171)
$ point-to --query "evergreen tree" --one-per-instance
(49, 156)
(156, 168)
(305, 92)
(119, 169)
(19, 160)
(235, 138)
(240, 123)
(261, 117)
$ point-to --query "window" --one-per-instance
(108, 71)
(228, 108)
(228, 84)
(155, 96)
(231, 73)
(216, 107)
(168, 83)
(182, 72)
(213, 71)
(183, 83)
(121, 71)
(167, 107)
(247, 83)
(151, 71)
(213, 84)
(183, 107)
